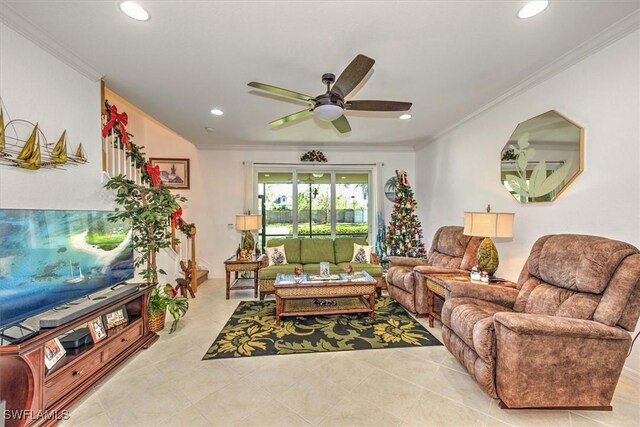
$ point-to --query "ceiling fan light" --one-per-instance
(532, 8)
(328, 112)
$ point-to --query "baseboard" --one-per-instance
(631, 374)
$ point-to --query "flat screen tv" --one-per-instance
(49, 257)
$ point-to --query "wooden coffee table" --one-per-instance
(354, 294)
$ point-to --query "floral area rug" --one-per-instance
(252, 331)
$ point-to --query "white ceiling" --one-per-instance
(449, 58)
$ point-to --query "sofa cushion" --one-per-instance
(314, 267)
(537, 297)
(291, 248)
(576, 262)
(276, 255)
(472, 321)
(317, 250)
(375, 270)
(402, 277)
(344, 247)
(269, 273)
(362, 253)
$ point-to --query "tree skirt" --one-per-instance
(252, 331)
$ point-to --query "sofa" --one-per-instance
(561, 338)
(307, 254)
(450, 252)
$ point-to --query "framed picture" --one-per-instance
(53, 351)
(116, 317)
(174, 173)
(96, 329)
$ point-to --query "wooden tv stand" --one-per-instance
(43, 395)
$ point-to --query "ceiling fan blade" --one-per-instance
(352, 75)
(342, 124)
(283, 92)
(378, 105)
(291, 117)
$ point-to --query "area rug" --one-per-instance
(252, 331)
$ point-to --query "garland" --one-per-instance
(313, 156)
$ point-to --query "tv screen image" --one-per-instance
(50, 257)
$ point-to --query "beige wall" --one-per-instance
(602, 93)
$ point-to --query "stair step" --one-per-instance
(202, 276)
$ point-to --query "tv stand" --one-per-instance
(36, 396)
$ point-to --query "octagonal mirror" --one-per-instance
(542, 157)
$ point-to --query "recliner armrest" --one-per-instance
(406, 261)
(500, 295)
(537, 324)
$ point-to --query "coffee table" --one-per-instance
(352, 294)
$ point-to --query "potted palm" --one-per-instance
(162, 300)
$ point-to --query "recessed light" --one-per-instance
(217, 112)
(208, 129)
(134, 10)
(532, 8)
(405, 117)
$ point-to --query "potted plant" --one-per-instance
(163, 299)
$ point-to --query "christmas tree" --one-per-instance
(404, 235)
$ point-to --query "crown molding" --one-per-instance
(283, 146)
(24, 27)
(606, 37)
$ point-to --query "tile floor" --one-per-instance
(168, 385)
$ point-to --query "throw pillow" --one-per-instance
(276, 255)
(361, 254)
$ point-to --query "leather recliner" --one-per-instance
(450, 252)
(561, 338)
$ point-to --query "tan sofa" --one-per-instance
(307, 254)
(561, 338)
(451, 252)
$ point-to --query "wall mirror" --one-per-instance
(542, 157)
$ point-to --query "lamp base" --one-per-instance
(487, 256)
(246, 241)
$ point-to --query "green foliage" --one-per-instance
(161, 300)
(148, 209)
(341, 228)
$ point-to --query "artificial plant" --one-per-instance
(167, 298)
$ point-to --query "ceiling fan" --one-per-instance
(330, 106)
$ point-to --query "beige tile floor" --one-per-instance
(168, 385)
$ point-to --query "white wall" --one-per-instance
(460, 170)
(37, 87)
(223, 177)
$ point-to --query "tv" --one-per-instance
(50, 257)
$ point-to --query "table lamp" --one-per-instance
(248, 223)
(488, 224)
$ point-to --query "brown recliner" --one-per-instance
(451, 252)
(561, 338)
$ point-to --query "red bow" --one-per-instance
(122, 120)
(154, 174)
(176, 217)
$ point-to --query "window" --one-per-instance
(322, 203)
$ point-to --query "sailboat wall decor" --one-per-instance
(33, 153)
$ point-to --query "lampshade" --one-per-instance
(248, 222)
(328, 112)
(488, 224)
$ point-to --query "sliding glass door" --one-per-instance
(321, 204)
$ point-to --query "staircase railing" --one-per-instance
(183, 243)
(114, 157)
